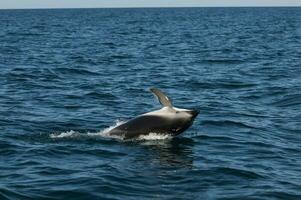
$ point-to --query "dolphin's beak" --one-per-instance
(194, 113)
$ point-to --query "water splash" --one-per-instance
(66, 134)
(73, 134)
(105, 133)
(154, 136)
(102, 133)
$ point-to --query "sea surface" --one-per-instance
(69, 75)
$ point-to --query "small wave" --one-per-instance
(215, 137)
(288, 101)
(223, 61)
(229, 123)
(102, 95)
(238, 172)
(24, 34)
(74, 71)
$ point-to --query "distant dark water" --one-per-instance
(66, 75)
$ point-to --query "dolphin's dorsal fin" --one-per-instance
(163, 99)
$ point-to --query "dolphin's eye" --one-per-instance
(177, 112)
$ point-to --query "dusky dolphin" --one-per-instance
(168, 120)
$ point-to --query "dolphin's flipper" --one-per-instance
(163, 99)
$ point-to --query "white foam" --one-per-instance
(105, 133)
(63, 134)
(154, 136)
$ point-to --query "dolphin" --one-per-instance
(167, 120)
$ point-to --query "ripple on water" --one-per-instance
(67, 75)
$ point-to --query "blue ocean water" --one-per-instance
(67, 75)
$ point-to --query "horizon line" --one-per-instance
(130, 7)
